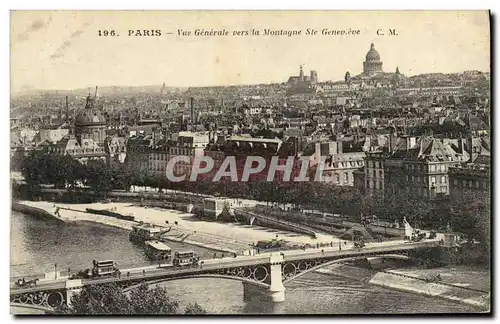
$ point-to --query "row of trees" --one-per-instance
(63, 171)
(109, 299)
(469, 215)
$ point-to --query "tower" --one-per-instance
(347, 78)
(163, 89)
(301, 74)
(314, 76)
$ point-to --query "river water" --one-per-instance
(37, 245)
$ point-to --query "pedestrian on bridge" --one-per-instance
(128, 274)
(143, 272)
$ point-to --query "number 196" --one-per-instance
(106, 33)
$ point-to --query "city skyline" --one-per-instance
(49, 53)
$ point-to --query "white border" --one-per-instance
(191, 5)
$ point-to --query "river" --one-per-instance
(38, 246)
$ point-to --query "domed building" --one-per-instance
(372, 65)
(90, 124)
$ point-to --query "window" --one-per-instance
(418, 179)
(443, 179)
(477, 184)
(455, 182)
(412, 179)
(346, 178)
(433, 180)
(431, 168)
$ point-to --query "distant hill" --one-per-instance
(103, 91)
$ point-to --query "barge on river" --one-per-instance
(146, 232)
(157, 251)
(110, 213)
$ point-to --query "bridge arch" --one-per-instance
(326, 264)
(47, 310)
(194, 276)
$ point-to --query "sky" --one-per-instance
(61, 50)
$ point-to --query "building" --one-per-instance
(420, 166)
(374, 183)
(116, 149)
(241, 147)
(83, 151)
(186, 144)
(90, 124)
(340, 163)
(471, 177)
(52, 135)
(302, 83)
(372, 65)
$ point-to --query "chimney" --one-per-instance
(67, 110)
(192, 110)
(469, 139)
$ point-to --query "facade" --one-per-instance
(339, 165)
(374, 180)
(190, 144)
(471, 177)
(420, 166)
(52, 135)
(82, 151)
(116, 150)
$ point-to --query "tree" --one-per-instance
(109, 299)
(194, 309)
(471, 214)
(99, 177)
(41, 167)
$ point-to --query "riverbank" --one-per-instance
(219, 236)
(461, 284)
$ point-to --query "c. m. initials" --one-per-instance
(391, 32)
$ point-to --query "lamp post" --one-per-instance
(55, 270)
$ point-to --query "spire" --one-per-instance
(372, 46)
(301, 73)
(397, 70)
(96, 94)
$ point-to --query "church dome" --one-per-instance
(89, 116)
(372, 54)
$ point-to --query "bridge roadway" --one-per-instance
(167, 271)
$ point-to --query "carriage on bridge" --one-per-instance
(99, 269)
